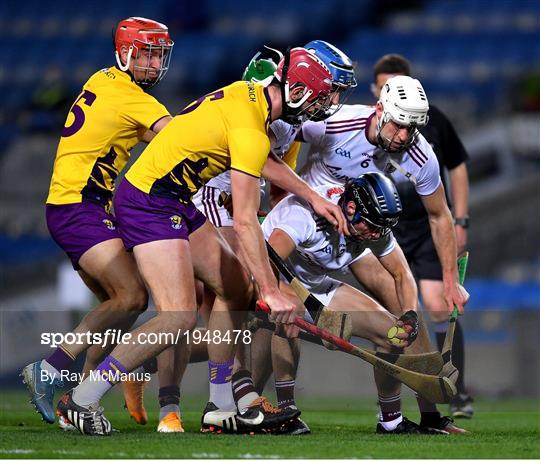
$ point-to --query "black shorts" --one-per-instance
(414, 237)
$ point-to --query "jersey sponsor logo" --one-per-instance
(176, 222)
(329, 250)
(110, 225)
(334, 171)
(334, 191)
(343, 152)
(251, 92)
(108, 73)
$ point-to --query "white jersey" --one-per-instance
(285, 135)
(319, 248)
(340, 151)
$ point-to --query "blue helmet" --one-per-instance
(341, 68)
(376, 199)
(340, 65)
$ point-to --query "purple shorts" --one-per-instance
(77, 227)
(144, 218)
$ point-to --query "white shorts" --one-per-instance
(208, 202)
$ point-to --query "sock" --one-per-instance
(390, 410)
(98, 382)
(165, 410)
(219, 375)
(428, 411)
(169, 400)
(391, 425)
(59, 360)
(150, 366)
(458, 351)
(285, 393)
(243, 389)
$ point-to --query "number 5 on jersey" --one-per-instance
(88, 99)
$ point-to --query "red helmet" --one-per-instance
(138, 34)
(307, 71)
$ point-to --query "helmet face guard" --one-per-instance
(341, 68)
(146, 41)
(404, 103)
(386, 142)
(299, 68)
(376, 199)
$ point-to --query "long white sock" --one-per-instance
(90, 391)
(221, 395)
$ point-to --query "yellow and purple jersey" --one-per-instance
(226, 129)
(106, 121)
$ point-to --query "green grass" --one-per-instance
(342, 428)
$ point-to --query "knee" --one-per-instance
(182, 320)
(133, 301)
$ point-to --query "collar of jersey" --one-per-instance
(366, 129)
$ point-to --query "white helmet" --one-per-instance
(405, 103)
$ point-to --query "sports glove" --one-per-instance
(410, 318)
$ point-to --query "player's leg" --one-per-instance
(162, 252)
(432, 295)
(166, 268)
(114, 272)
(429, 273)
(371, 321)
(381, 284)
(217, 266)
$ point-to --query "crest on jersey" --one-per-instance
(176, 222)
(110, 225)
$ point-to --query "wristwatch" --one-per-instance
(463, 222)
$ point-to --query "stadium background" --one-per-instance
(478, 60)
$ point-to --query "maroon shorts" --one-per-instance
(77, 227)
(144, 218)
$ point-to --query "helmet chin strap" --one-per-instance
(288, 114)
(124, 67)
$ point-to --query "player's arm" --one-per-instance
(290, 158)
(459, 181)
(396, 264)
(246, 201)
(156, 128)
(280, 174)
(442, 232)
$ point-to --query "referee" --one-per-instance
(413, 231)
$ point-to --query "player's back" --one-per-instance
(221, 130)
(108, 118)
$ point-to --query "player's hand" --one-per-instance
(282, 310)
(287, 330)
(331, 212)
(455, 294)
(407, 331)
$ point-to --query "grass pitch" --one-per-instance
(341, 428)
